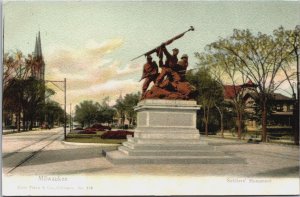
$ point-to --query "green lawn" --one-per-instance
(77, 135)
(92, 138)
(95, 140)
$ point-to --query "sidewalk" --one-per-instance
(270, 169)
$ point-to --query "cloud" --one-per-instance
(90, 73)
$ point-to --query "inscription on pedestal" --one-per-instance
(171, 119)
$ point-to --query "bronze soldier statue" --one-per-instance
(168, 67)
(171, 82)
(150, 73)
(182, 66)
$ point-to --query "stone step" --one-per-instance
(117, 157)
(167, 129)
(135, 152)
(167, 135)
(179, 146)
(163, 141)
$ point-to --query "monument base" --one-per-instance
(166, 133)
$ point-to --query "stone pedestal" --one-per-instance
(166, 133)
(167, 120)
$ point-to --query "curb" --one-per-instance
(89, 144)
(245, 142)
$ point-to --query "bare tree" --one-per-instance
(224, 69)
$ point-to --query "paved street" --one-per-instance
(27, 156)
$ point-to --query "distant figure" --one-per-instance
(150, 73)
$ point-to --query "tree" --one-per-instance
(53, 113)
(208, 90)
(12, 84)
(125, 107)
(223, 68)
(120, 109)
(130, 101)
(14, 66)
(86, 112)
(12, 99)
(106, 112)
(25, 97)
(260, 58)
(292, 38)
(23, 94)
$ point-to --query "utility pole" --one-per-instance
(296, 108)
(65, 100)
(70, 117)
(65, 126)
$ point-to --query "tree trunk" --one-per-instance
(296, 123)
(31, 124)
(222, 126)
(264, 123)
(239, 125)
(206, 121)
(221, 121)
(24, 122)
(18, 121)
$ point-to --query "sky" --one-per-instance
(91, 43)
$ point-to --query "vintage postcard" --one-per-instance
(150, 98)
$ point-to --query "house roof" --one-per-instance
(275, 96)
(230, 91)
(249, 84)
(278, 96)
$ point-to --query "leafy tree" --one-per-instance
(105, 113)
(120, 109)
(259, 57)
(125, 107)
(223, 68)
(292, 38)
(209, 92)
(25, 98)
(90, 112)
(53, 113)
(86, 112)
(130, 101)
(23, 95)
(12, 99)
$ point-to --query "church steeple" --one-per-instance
(38, 46)
(39, 70)
(35, 53)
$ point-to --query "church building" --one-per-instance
(38, 66)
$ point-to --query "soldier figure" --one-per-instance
(150, 73)
(182, 66)
(170, 83)
(167, 69)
